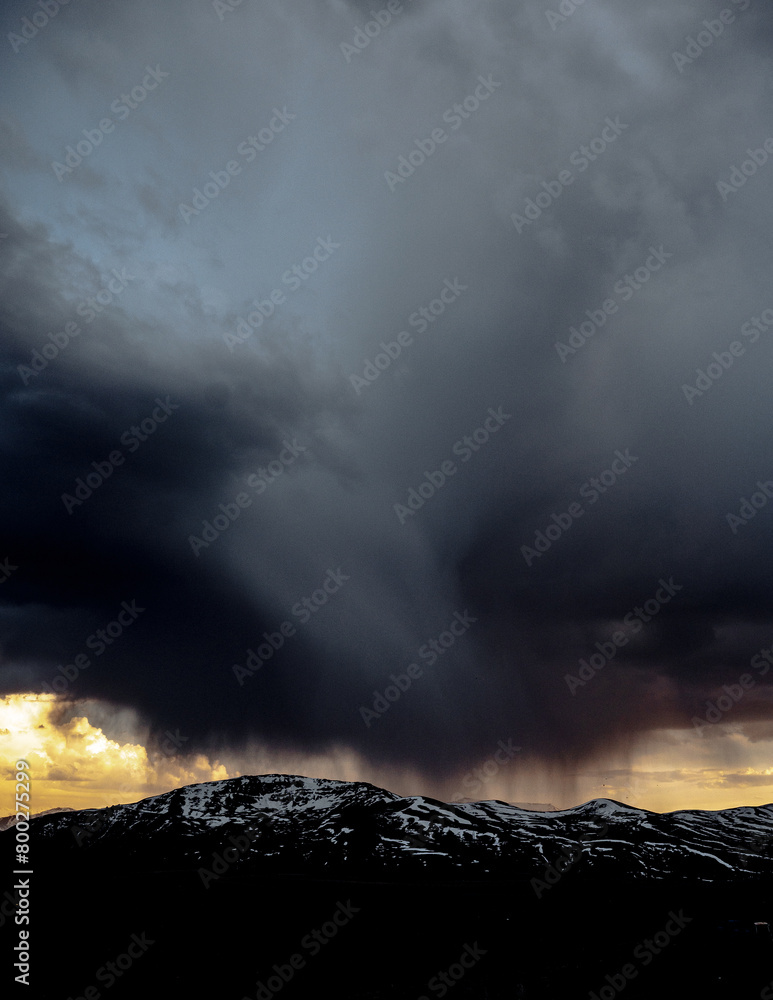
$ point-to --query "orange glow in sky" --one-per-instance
(74, 762)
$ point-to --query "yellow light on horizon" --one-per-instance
(74, 763)
(77, 764)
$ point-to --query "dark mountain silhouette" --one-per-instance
(8, 821)
(378, 895)
(343, 829)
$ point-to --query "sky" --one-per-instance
(385, 396)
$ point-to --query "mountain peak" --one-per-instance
(293, 823)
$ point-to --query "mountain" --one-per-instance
(291, 824)
(271, 886)
(8, 821)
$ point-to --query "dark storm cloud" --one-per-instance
(598, 97)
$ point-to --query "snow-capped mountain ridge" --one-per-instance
(294, 823)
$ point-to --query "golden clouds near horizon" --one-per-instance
(75, 763)
(89, 754)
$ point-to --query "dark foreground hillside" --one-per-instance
(137, 902)
(389, 941)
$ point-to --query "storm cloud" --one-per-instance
(317, 260)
